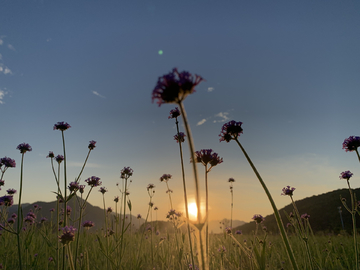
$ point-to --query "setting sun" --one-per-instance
(192, 210)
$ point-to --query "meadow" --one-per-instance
(67, 241)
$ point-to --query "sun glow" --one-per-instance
(192, 211)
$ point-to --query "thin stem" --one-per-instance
(169, 191)
(20, 217)
(203, 259)
(65, 197)
(82, 169)
(276, 212)
(185, 196)
(106, 234)
(207, 212)
(357, 153)
(353, 213)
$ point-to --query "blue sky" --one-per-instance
(289, 70)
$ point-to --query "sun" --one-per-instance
(192, 210)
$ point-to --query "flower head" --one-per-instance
(6, 200)
(73, 186)
(81, 188)
(346, 175)
(11, 191)
(230, 131)
(207, 156)
(180, 137)
(103, 190)
(68, 235)
(116, 199)
(156, 208)
(175, 113)
(93, 181)
(288, 191)
(51, 154)
(126, 173)
(24, 147)
(351, 144)
(150, 186)
(109, 210)
(231, 180)
(138, 216)
(88, 224)
(305, 216)
(258, 218)
(59, 158)
(165, 177)
(7, 162)
(222, 249)
(92, 145)
(238, 232)
(174, 87)
(61, 126)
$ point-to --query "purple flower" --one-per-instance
(59, 158)
(175, 113)
(230, 131)
(231, 180)
(258, 218)
(93, 181)
(238, 232)
(43, 219)
(88, 224)
(61, 126)
(51, 259)
(11, 221)
(228, 230)
(24, 147)
(6, 200)
(109, 210)
(81, 188)
(116, 199)
(7, 162)
(51, 154)
(126, 173)
(14, 215)
(207, 156)
(305, 216)
(52, 210)
(29, 219)
(155, 208)
(174, 87)
(288, 191)
(35, 206)
(165, 177)
(92, 145)
(68, 235)
(346, 175)
(180, 137)
(103, 190)
(138, 216)
(150, 186)
(351, 144)
(222, 249)
(2, 182)
(73, 186)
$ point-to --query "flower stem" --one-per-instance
(20, 217)
(65, 198)
(185, 196)
(353, 213)
(357, 153)
(276, 212)
(203, 259)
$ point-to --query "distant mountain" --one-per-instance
(218, 226)
(92, 213)
(323, 210)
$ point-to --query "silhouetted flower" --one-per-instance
(151, 204)
(92, 145)
(116, 199)
(230, 131)
(14, 215)
(59, 158)
(24, 147)
(231, 180)
(36, 206)
(305, 216)
(51, 259)
(228, 230)
(93, 181)
(88, 224)
(351, 144)
(150, 186)
(238, 232)
(258, 218)
(50, 155)
(52, 210)
(180, 137)
(7, 162)
(175, 113)
(109, 210)
(174, 87)
(126, 173)
(103, 190)
(165, 177)
(81, 188)
(288, 191)
(207, 156)
(346, 175)
(2, 182)
(61, 126)
(6, 200)
(73, 186)
(43, 219)
(138, 216)
(68, 235)
(11, 221)
(155, 208)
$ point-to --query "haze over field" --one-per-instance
(288, 70)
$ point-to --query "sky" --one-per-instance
(289, 70)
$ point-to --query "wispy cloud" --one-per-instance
(11, 47)
(210, 89)
(1, 42)
(7, 71)
(223, 117)
(48, 39)
(2, 95)
(0, 56)
(97, 94)
(201, 122)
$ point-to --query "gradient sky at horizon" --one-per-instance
(289, 70)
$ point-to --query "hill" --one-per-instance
(323, 211)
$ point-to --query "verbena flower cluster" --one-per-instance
(351, 144)
(68, 235)
(165, 177)
(93, 181)
(126, 173)
(7, 162)
(346, 175)
(174, 87)
(175, 113)
(24, 147)
(180, 137)
(230, 131)
(258, 218)
(207, 156)
(61, 126)
(288, 191)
